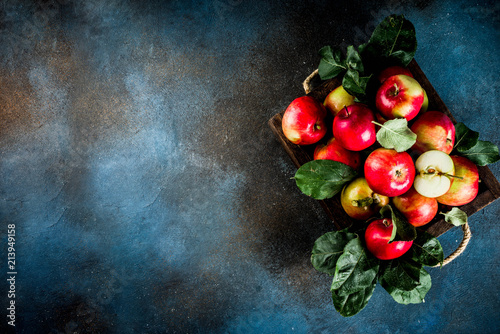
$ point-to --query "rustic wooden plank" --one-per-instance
(489, 189)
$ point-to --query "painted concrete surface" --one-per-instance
(149, 194)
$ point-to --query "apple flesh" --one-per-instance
(399, 96)
(393, 70)
(359, 201)
(435, 173)
(417, 209)
(389, 172)
(338, 99)
(435, 131)
(332, 150)
(377, 236)
(303, 121)
(353, 127)
(464, 190)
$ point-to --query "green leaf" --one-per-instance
(402, 274)
(328, 248)
(455, 216)
(354, 84)
(465, 138)
(393, 39)
(402, 230)
(414, 296)
(396, 134)
(355, 270)
(353, 303)
(322, 179)
(331, 64)
(353, 59)
(482, 154)
(427, 250)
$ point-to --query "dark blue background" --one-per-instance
(149, 194)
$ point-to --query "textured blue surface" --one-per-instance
(149, 194)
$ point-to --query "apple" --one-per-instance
(418, 210)
(393, 70)
(435, 131)
(338, 99)
(303, 122)
(388, 172)
(464, 190)
(332, 150)
(353, 127)
(359, 201)
(399, 96)
(377, 236)
(435, 171)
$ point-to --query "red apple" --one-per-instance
(418, 209)
(353, 127)
(388, 172)
(332, 150)
(435, 131)
(377, 236)
(359, 201)
(462, 191)
(399, 96)
(393, 70)
(338, 99)
(303, 121)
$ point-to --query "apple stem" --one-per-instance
(396, 92)
(386, 222)
(346, 110)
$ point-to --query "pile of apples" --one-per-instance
(415, 181)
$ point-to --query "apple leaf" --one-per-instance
(354, 84)
(465, 138)
(322, 179)
(402, 230)
(393, 40)
(426, 250)
(328, 248)
(353, 60)
(396, 134)
(402, 274)
(414, 296)
(353, 303)
(332, 63)
(455, 216)
(482, 153)
(356, 269)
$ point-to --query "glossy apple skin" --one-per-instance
(399, 96)
(303, 122)
(462, 191)
(358, 192)
(388, 172)
(435, 131)
(338, 99)
(353, 127)
(418, 210)
(332, 150)
(393, 70)
(377, 237)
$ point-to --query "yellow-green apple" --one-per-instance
(359, 201)
(377, 236)
(332, 150)
(435, 173)
(338, 99)
(353, 127)
(393, 70)
(303, 122)
(399, 96)
(418, 210)
(464, 190)
(435, 131)
(389, 172)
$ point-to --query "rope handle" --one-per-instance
(465, 228)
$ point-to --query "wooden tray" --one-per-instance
(489, 187)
